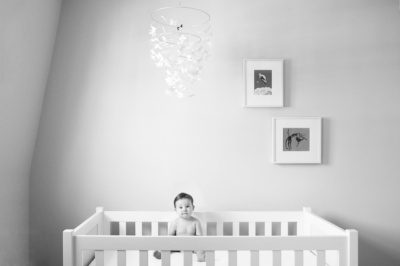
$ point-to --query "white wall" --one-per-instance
(109, 137)
(27, 34)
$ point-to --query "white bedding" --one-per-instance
(221, 259)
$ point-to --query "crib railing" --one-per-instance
(299, 232)
(210, 244)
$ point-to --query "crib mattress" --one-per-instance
(221, 259)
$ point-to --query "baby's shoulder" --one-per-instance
(174, 222)
(195, 220)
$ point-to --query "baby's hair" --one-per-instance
(183, 196)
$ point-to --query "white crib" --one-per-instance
(232, 238)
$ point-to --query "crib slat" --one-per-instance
(284, 229)
(99, 257)
(268, 228)
(143, 258)
(204, 228)
(138, 228)
(210, 258)
(298, 258)
(232, 258)
(235, 228)
(277, 258)
(122, 228)
(220, 228)
(255, 258)
(252, 229)
(187, 258)
(154, 228)
(121, 258)
(165, 258)
(320, 257)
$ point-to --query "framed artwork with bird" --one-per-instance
(297, 140)
(263, 83)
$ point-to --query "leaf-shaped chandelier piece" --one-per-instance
(180, 43)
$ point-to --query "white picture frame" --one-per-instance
(263, 83)
(296, 140)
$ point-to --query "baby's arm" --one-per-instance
(199, 229)
(172, 228)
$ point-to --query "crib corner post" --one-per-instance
(352, 247)
(101, 222)
(306, 228)
(68, 248)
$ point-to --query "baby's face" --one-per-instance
(184, 208)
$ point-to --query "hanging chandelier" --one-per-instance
(180, 43)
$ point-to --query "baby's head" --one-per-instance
(183, 204)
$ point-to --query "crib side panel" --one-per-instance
(210, 243)
(139, 221)
(254, 245)
(325, 239)
(94, 222)
(315, 225)
(213, 223)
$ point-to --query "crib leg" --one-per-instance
(299, 258)
(143, 258)
(232, 257)
(165, 258)
(210, 258)
(68, 252)
(121, 257)
(277, 258)
(187, 258)
(255, 258)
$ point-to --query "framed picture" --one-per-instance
(296, 140)
(263, 82)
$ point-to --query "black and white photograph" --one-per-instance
(263, 82)
(199, 133)
(297, 140)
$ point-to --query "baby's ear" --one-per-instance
(193, 207)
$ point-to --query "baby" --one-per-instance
(185, 224)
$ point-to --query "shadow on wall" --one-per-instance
(370, 252)
(374, 254)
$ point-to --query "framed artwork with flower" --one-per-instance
(263, 82)
(296, 140)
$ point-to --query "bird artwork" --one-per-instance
(299, 135)
(262, 78)
(262, 82)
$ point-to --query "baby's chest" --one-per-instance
(187, 229)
